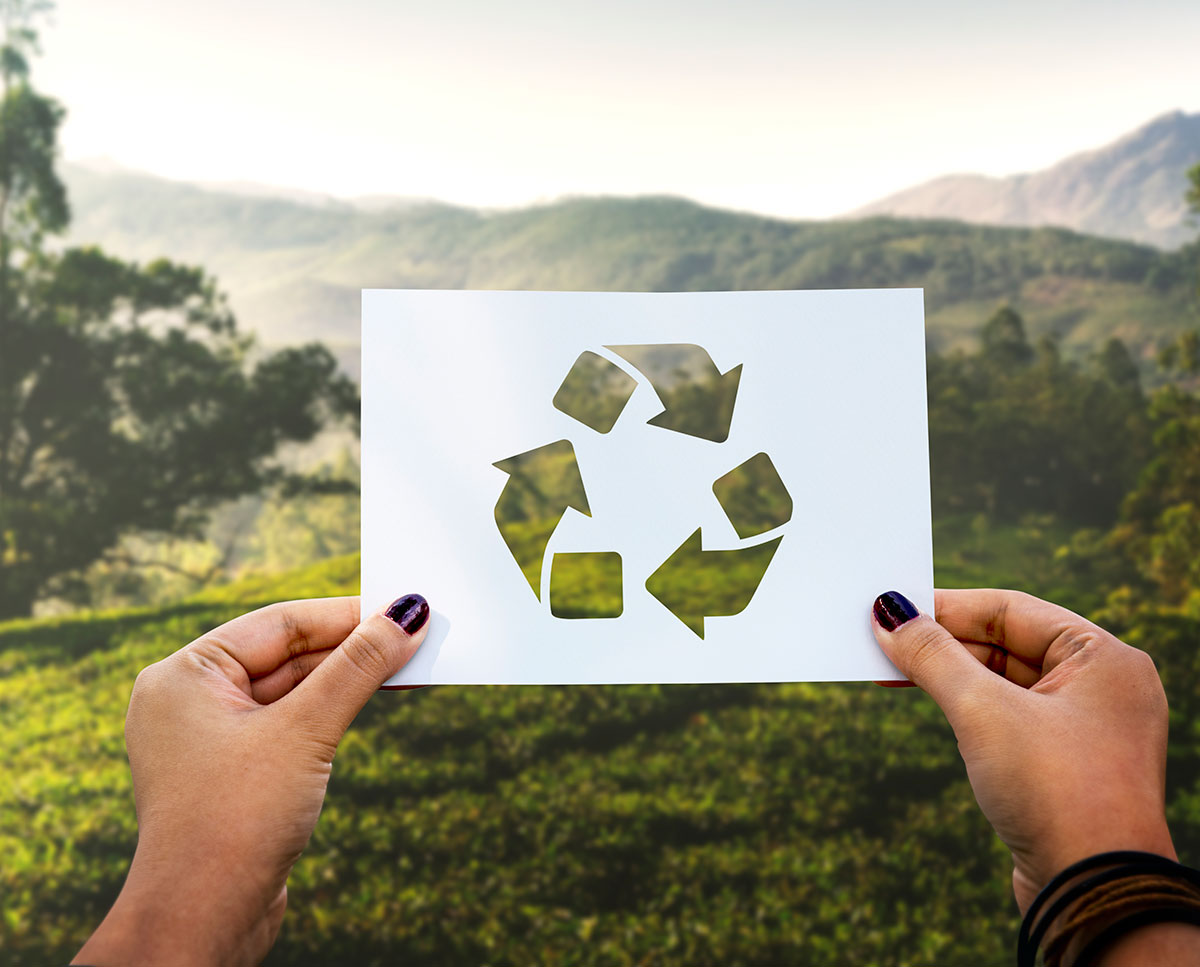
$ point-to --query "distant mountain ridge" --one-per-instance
(294, 270)
(1132, 188)
(107, 167)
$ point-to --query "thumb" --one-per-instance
(337, 689)
(930, 656)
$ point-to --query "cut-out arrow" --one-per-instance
(541, 485)
(697, 398)
(694, 583)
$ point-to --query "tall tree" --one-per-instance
(128, 399)
(33, 200)
(1016, 429)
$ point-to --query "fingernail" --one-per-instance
(892, 609)
(409, 612)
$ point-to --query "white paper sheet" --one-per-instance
(832, 388)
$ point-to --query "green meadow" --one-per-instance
(801, 823)
(572, 825)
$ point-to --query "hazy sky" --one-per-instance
(797, 109)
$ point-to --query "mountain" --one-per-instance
(293, 270)
(1132, 188)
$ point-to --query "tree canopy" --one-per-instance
(128, 398)
(1016, 429)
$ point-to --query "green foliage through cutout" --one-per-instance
(754, 497)
(595, 392)
(586, 585)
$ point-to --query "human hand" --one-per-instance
(1063, 728)
(231, 740)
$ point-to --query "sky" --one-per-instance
(794, 109)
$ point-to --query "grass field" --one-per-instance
(731, 824)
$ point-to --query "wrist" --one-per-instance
(182, 915)
(1143, 830)
(1113, 905)
(1148, 838)
(1164, 944)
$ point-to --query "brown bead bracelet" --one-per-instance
(1084, 914)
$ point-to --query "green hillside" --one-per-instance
(294, 270)
(581, 825)
(656, 825)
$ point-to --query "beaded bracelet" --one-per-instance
(1133, 889)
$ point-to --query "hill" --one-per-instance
(294, 270)
(1132, 188)
(582, 825)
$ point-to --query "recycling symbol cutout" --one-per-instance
(692, 583)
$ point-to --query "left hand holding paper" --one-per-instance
(231, 740)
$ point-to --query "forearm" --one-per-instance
(1162, 944)
(182, 918)
(131, 936)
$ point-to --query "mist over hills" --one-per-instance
(1132, 188)
(294, 268)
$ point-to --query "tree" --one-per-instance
(1003, 338)
(129, 401)
(1117, 365)
(1016, 429)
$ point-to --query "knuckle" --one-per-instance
(1144, 662)
(1078, 637)
(369, 652)
(1074, 639)
(149, 681)
(926, 640)
(146, 699)
(1023, 598)
(1144, 671)
(995, 631)
(297, 670)
(293, 630)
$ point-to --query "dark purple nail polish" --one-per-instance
(409, 612)
(892, 609)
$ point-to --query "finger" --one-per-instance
(275, 684)
(1041, 634)
(930, 656)
(997, 660)
(264, 640)
(337, 689)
